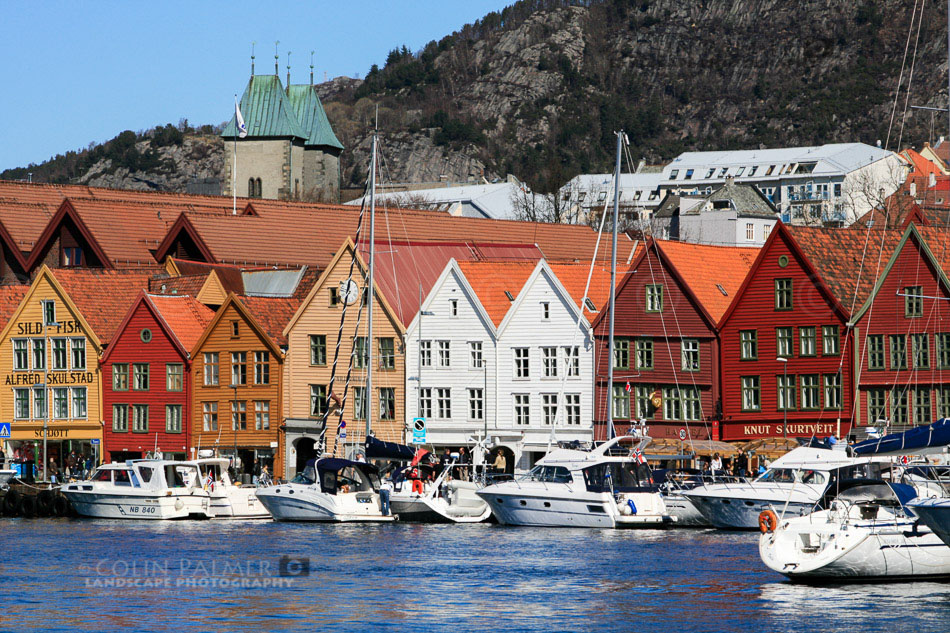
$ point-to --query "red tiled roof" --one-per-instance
(184, 285)
(297, 233)
(490, 281)
(103, 296)
(574, 279)
(705, 268)
(403, 267)
(185, 316)
(10, 298)
(920, 166)
(846, 260)
(273, 313)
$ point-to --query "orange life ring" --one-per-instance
(417, 486)
(768, 521)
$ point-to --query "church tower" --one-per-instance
(290, 151)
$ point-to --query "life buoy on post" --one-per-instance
(768, 521)
(417, 486)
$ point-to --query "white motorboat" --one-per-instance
(932, 504)
(934, 512)
(228, 500)
(866, 533)
(603, 488)
(792, 486)
(141, 489)
(328, 489)
(444, 500)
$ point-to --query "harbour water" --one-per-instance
(68, 574)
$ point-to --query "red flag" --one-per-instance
(628, 387)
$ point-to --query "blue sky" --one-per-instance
(79, 72)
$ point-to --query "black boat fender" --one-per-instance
(11, 503)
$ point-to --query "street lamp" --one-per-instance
(784, 362)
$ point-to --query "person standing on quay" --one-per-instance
(500, 463)
(715, 466)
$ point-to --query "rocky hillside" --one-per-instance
(538, 89)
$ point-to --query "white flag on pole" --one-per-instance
(242, 129)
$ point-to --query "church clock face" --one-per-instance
(349, 292)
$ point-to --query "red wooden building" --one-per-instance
(147, 380)
(902, 334)
(667, 309)
(787, 351)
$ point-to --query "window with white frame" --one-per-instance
(549, 362)
(261, 415)
(79, 403)
(476, 404)
(262, 368)
(318, 400)
(21, 354)
(690, 354)
(174, 377)
(211, 368)
(749, 232)
(522, 409)
(209, 411)
(572, 408)
(425, 353)
(60, 403)
(444, 357)
(78, 346)
(39, 403)
(475, 354)
(387, 403)
(173, 418)
(238, 415)
(21, 404)
(238, 368)
(521, 362)
(59, 354)
(359, 403)
(140, 380)
(443, 401)
(549, 408)
(425, 402)
(572, 361)
(39, 354)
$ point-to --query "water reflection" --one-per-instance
(469, 577)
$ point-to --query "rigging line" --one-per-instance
(389, 236)
(669, 349)
(900, 77)
(339, 338)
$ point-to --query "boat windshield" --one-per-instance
(103, 474)
(306, 477)
(792, 475)
(549, 474)
(178, 476)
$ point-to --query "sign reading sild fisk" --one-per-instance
(36, 328)
(52, 378)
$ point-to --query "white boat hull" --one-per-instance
(683, 510)
(563, 505)
(237, 503)
(812, 548)
(935, 514)
(301, 502)
(148, 507)
(734, 513)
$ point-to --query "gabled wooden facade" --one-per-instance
(902, 334)
(50, 368)
(148, 385)
(312, 339)
(784, 309)
(236, 402)
(665, 345)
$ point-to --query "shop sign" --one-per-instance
(52, 378)
(37, 328)
(775, 429)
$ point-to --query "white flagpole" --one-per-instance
(234, 163)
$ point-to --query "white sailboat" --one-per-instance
(329, 488)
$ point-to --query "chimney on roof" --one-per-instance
(730, 180)
(932, 180)
(913, 190)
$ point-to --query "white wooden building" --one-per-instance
(492, 347)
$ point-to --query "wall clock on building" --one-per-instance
(349, 292)
(145, 335)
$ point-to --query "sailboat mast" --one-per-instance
(613, 285)
(368, 398)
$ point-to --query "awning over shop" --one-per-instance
(703, 448)
(771, 447)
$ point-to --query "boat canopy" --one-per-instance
(916, 441)
(336, 464)
(378, 449)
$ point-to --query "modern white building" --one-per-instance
(732, 215)
(493, 346)
(588, 194)
(494, 200)
(828, 185)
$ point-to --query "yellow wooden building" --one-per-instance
(51, 377)
(312, 336)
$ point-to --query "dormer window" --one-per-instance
(235, 329)
(49, 312)
(710, 173)
(739, 172)
(636, 196)
(689, 174)
(723, 172)
(72, 256)
(601, 196)
(770, 170)
(334, 296)
(754, 169)
(674, 174)
(545, 311)
(454, 307)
